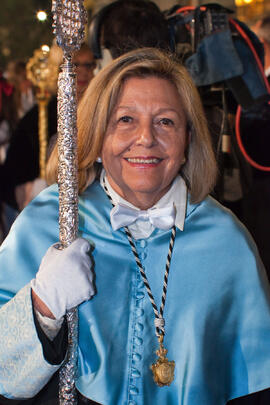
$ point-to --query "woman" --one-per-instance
(156, 241)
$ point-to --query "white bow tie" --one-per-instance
(122, 215)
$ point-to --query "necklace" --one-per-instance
(163, 369)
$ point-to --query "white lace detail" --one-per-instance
(23, 369)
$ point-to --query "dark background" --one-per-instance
(20, 31)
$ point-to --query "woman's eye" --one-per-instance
(125, 119)
(166, 121)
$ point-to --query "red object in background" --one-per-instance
(238, 112)
(5, 88)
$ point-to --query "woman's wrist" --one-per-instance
(39, 305)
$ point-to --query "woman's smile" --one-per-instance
(144, 162)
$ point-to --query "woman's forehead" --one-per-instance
(152, 88)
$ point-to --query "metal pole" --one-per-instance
(69, 18)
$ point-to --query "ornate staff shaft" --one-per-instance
(69, 20)
(68, 210)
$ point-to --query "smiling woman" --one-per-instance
(97, 110)
(145, 141)
(159, 268)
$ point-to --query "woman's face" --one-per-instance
(145, 141)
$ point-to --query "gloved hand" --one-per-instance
(65, 278)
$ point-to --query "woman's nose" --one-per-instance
(146, 135)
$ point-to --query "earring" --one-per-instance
(98, 159)
(183, 161)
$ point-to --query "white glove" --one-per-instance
(65, 278)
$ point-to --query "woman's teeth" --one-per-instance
(139, 160)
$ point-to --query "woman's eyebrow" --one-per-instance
(125, 107)
(158, 111)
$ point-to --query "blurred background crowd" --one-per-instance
(225, 45)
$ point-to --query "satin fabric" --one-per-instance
(162, 218)
(217, 308)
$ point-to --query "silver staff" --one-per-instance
(69, 19)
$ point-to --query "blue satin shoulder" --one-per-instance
(217, 306)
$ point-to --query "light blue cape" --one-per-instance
(217, 308)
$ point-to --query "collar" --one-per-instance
(177, 195)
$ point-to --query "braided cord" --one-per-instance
(159, 321)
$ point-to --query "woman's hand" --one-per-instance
(64, 279)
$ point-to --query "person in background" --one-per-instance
(256, 213)
(21, 167)
(8, 119)
(124, 25)
(262, 30)
(23, 88)
(22, 99)
(8, 115)
(85, 65)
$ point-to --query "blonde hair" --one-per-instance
(100, 98)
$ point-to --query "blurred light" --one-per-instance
(6, 51)
(45, 48)
(41, 15)
(240, 3)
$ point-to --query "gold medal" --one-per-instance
(163, 369)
